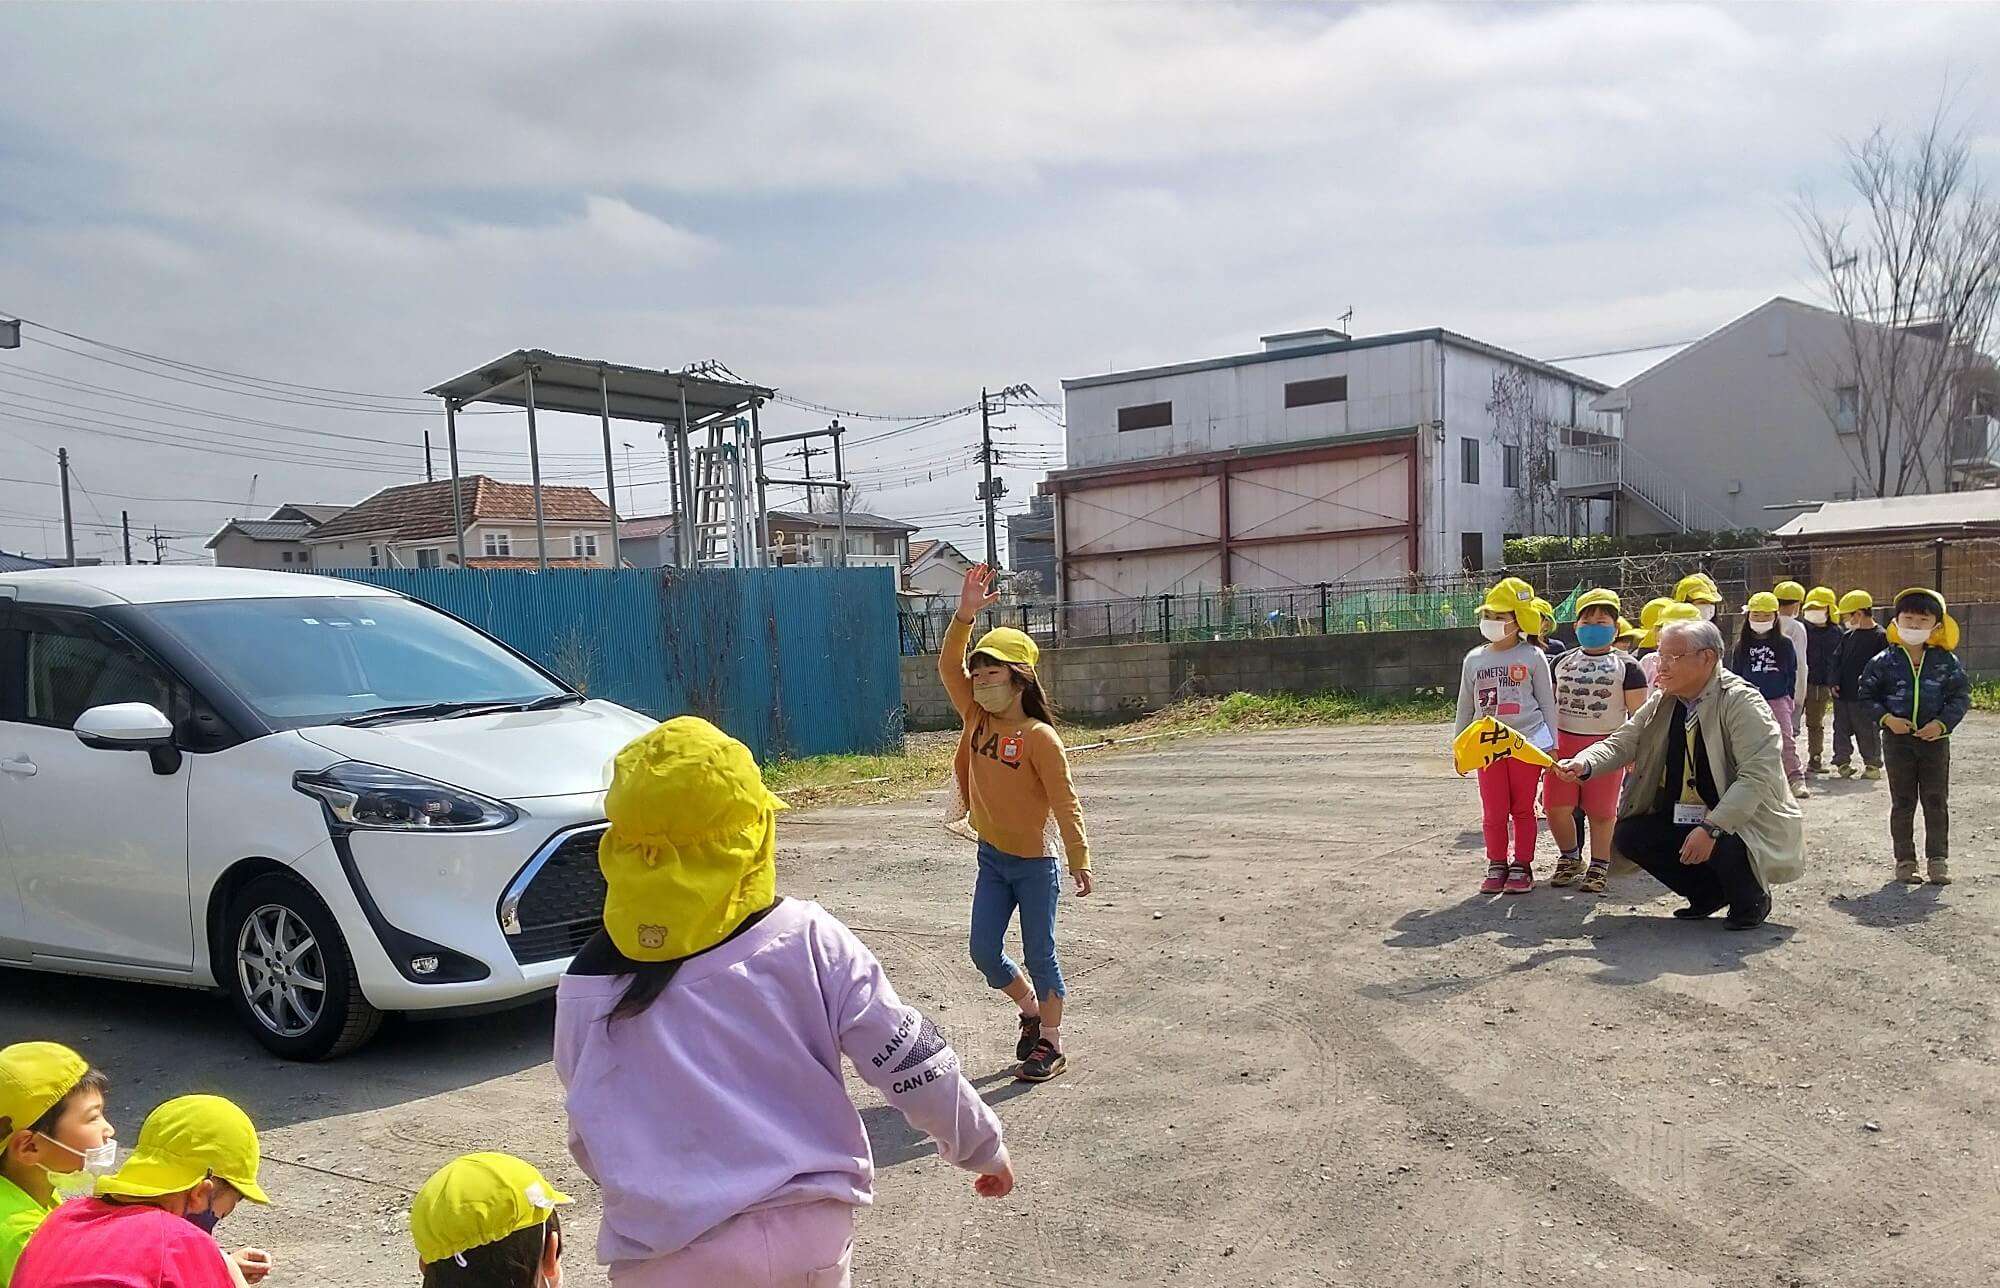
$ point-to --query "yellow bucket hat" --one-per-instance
(1627, 631)
(1789, 592)
(1546, 612)
(1697, 588)
(1856, 601)
(1945, 634)
(1005, 644)
(692, 847)
(1649, 621)
(34, 1077)
(476, 1200)
(1599, 598)
(1762, 602)
(1668, 616)
(182, 1144)
(1820, 597)
(1512, 595)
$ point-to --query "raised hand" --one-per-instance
(977, 594)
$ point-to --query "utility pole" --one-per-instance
(986, 492)
(125, 522)
(430, 471)
(69, 529)
(159, 547)
(806, 452)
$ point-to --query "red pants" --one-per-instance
(1507, 791)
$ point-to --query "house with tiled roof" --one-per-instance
(277, 542)
(413, 526)
(812, 538)
(936, 568)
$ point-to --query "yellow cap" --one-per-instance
(1697, 588)
(1857, 601)
(1547, 612)
(1512, 595)
(1594, 598)
(477, 1200)
(1820, 597)
(1762, 602)
(182, 1144)
(34, 1077)
(1649, 616)
(1627, 631)
(1945, 634)
(1005, 644)
(1789, 592)
(692, 847)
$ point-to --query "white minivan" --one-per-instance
(324, 798)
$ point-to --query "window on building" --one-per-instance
(1311, 393)
(1472, 551)
(285, 557)
(583, 545)
(430, 557)
(305, 556)
(1145, 416)
(374, 556)
(498, 545)
(1510, 466)
(1468, 460)
(885, 543)
(1847, 409)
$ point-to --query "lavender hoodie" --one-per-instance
(727, 1095)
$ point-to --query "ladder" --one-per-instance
(725, 513)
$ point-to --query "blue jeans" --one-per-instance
(1032, 885)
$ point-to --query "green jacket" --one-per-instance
(20, 1217)
(1743, 743)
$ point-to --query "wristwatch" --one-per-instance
(1714, 832)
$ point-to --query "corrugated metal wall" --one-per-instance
(794, 661)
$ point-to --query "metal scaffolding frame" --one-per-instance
(681, 403)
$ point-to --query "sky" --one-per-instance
(878, 208)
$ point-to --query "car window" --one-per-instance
(72, 663)
(307, 661)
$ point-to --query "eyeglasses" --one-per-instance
(1668, 659)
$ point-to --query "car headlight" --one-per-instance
(375, 797)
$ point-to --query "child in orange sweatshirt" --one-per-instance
(1013, 783)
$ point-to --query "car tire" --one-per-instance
(289, 974)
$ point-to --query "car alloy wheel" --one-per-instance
(281, 971)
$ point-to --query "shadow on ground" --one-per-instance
(1892, 907)
(1631, 948)
(157, 1042)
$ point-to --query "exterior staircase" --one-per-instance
(1611, 470)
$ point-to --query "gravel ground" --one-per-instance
(1305, 1051)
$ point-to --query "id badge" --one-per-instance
(1686, 815)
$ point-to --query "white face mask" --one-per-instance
(995, 698)
(1913, 632)
(1707, 611)
(1492, 630)
(98, 1160)
(1762, 628)
(1817, 616)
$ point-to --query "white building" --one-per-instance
(1319, 458)
(277, 542)
(812, 539)
(414, 526)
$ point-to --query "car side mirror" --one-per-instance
(131, 726)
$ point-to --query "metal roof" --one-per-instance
(855, 519)
(20, 563)
(645, 528)
(265, 530)
(143, 584)
(1964, 510)
(571, 385)
(1437, 334)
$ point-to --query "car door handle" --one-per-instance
(22, 768)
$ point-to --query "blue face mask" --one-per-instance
(1596, 634)
(204, 1221)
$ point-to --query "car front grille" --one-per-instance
(557, 902)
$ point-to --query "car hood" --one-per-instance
(513, 756)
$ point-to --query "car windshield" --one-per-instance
(313, 661)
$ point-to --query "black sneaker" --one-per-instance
(1031, 1033)
(1043, 1063)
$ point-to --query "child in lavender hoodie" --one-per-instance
(699, 1039)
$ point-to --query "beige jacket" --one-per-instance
(1743, 745)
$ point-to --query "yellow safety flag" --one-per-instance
(1486, 740)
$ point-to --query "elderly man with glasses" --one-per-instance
(1706, 807)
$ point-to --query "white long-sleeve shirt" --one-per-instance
(1512, 685)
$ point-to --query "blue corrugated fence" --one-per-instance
(794, 661)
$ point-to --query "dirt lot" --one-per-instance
(1305, 1053)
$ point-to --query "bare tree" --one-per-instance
(1912, 265)
(1521, 425)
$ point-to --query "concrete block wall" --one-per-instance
(1107, 680)
(1979, 639)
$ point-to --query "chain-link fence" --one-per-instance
(1967, 571)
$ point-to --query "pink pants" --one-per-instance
(807, 1245)
(1507, 791)
(1786, 711)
